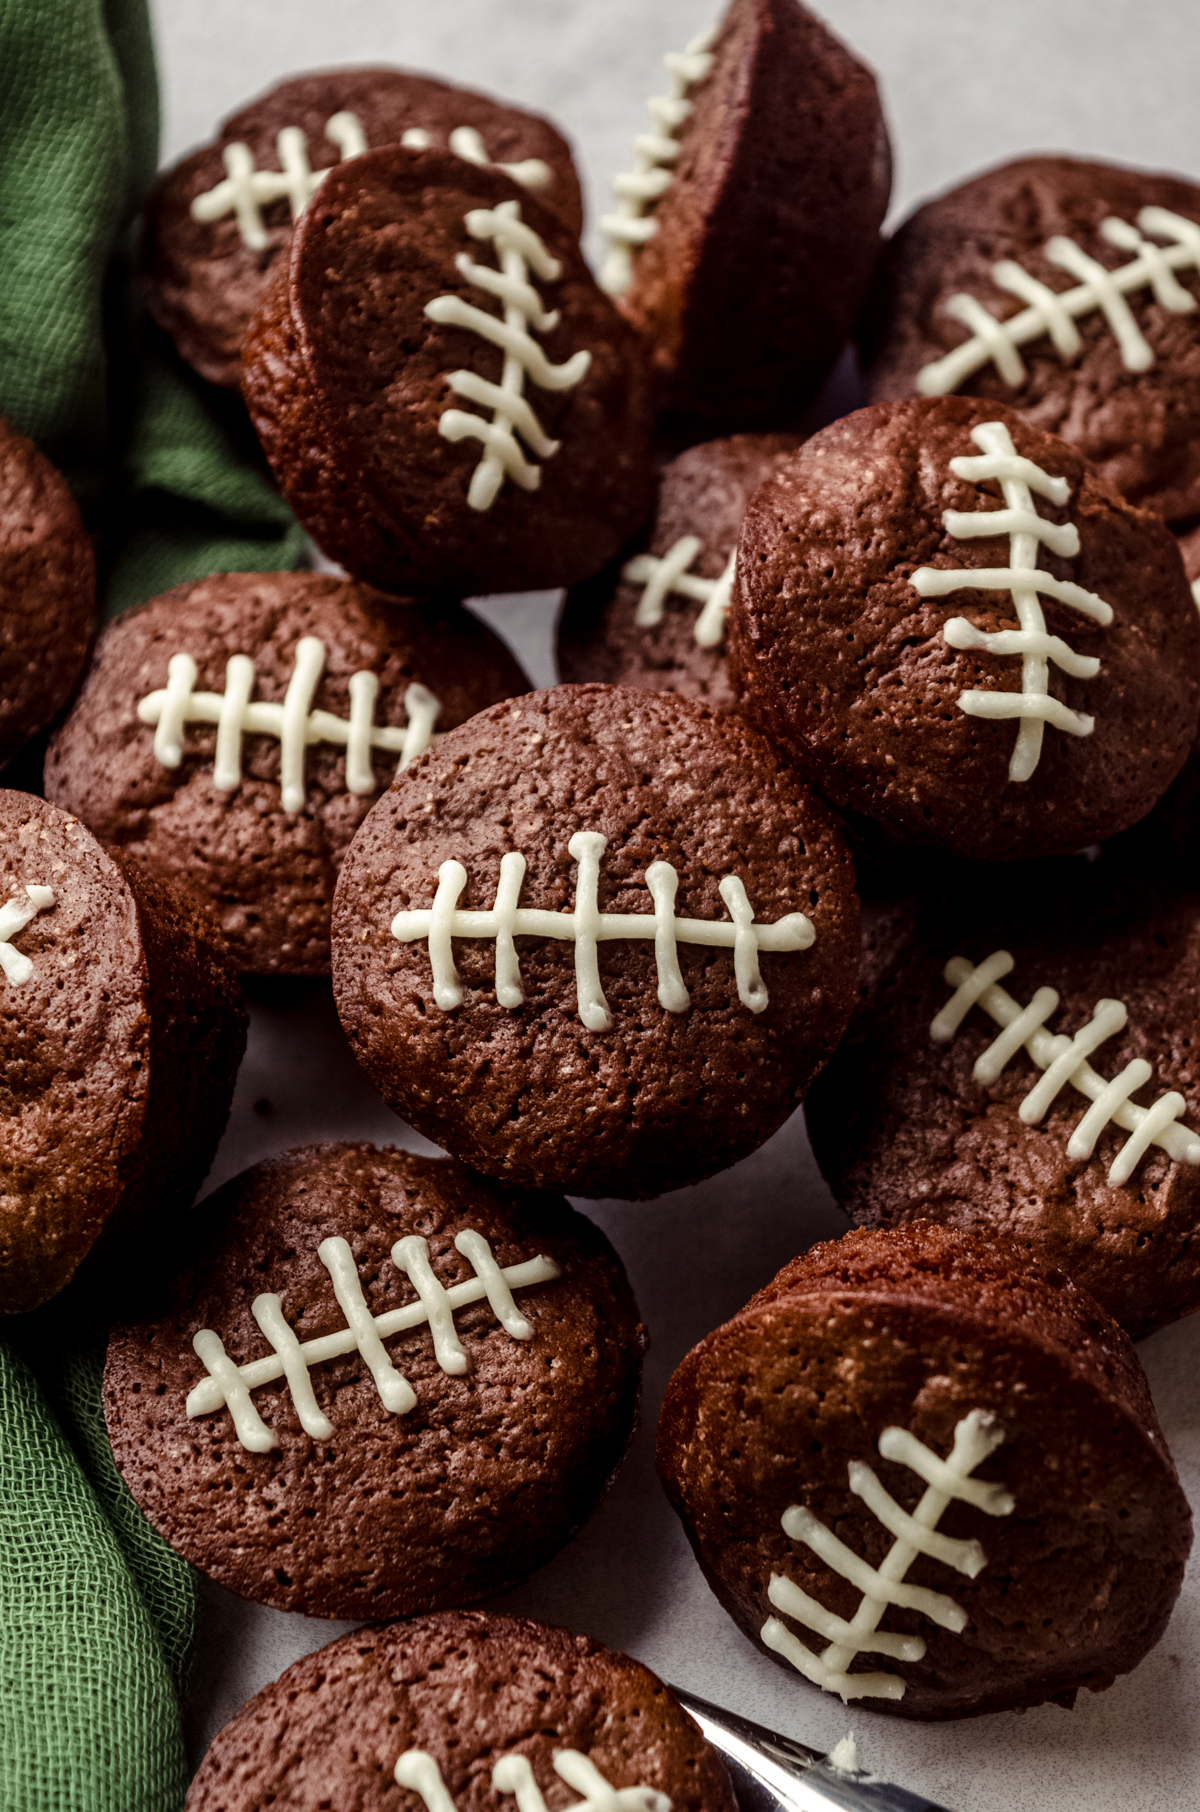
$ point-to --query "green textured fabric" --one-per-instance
(96, 1611)
(89, 1720)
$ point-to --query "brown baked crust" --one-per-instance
(528, 1094)
(345, 379)
(702, 493)
(903, 1131)
(47, 592)
(465, 1688)
(461, 1497)
(1141, 430)
(769, 231)
(120, 1055)
(846, 668)
(268, 874)
(914, 1327)
(204, 284)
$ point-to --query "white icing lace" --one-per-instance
(520, 252)
(1022, 578)
(246, 191)
(229, 1386)
(417, 1770)
(975, 1437)
(15, 914)
(1053, 314)
(1065, 1061)
(294, 722)
(661, 577)
(653, 154)
(587, 927)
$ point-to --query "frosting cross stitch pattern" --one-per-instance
(587, 927)
(15, 914)
(230, 1386)
(246, 190)
(520, 251)
(1052, 314)
(294, 721)
(660, 577)
(975, 1437)
(1065, 1060)
(1033, 705)
(417, 1770)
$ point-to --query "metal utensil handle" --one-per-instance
(771, 1773)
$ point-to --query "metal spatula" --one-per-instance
(774, 1774)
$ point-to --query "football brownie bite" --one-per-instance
(122, 1030)
(218, 221)
(378, 1384)
(47, 592)
(597, 940)
(235, 732)
(1068, 290)
(745, 236)
(656, 618)
(961, 632)
(1025, 1063)
(445, 397)
(463, 1711)
(925, 1472)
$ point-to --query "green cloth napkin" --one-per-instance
(96, 1612)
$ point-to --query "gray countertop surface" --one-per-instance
(966, 83)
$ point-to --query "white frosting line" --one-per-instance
(975, 1437)
(417, 1770)
(15, 914)
(294, 721)
(1032, 705)
(229, 1386)
(995, 342)
(245, 190)
(519, 250)
(1064, 1060)
(653, 153)
(587, 927)
(660, 577)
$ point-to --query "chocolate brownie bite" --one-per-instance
(47, 592)
(1024, 1062)
(468, 1710)
(925, 1472)
(446, 398)
(378, 1385)
(961, 632)
(745, 236)
(1066, 289)
(217, 223)
(599, 940)
(656, 617)
(235, 732)
(122, 1030)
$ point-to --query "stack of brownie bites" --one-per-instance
(601, 940)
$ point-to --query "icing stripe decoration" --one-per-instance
(15, 914)
(466, 142)
(229, 1386)
(1033, 705)
(975, 1437)
(653, 154)
(1051, 314)
(245, 190)
(661, 577)
(417, 1770)
(519, 250)
(1065, 1060)
(294, 721)
(587, 927)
